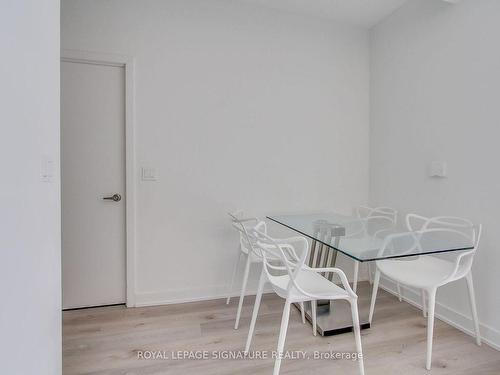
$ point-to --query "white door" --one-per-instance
(93, 168)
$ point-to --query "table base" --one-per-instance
(334, 318)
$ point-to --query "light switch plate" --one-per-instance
(47, 169)
(149, 174)
(437, 169)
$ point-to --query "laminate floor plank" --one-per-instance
(108, 340)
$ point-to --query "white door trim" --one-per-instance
(128, 63)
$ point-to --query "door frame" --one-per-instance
(128, 63)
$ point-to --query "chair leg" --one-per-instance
(281, 340)
(357, 335)
(302, 312)
(256, 306)
(374, 294)
(424, 304)
(235, 269)
(355, 281)
(370, 276)
(430, 325)
(472, 297)
(399, 292)
(313, 312)
(243, 290)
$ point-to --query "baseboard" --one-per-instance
(206, 293)
(190, 295)
(489, 335)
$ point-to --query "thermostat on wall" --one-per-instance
(437, 169)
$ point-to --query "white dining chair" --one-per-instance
(416, 222)
(247, 252)
(374, 221)
(428, 272)
(292, 280)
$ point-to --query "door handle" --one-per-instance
(114, 198)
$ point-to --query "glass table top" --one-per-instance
(372, 239)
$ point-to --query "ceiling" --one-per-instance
(364, 13)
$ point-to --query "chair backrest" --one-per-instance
(243, 225)
(365, 211)
(284, 258)
(427, 240)
(455, 225)
(437, 231)
(374, 221)
(416, 222)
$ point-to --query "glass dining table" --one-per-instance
(363, 240)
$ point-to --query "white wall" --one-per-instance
(435, 89)
(239, 107)
(30, 313)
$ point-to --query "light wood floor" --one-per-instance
(107, 341)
